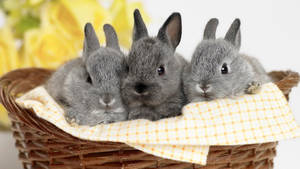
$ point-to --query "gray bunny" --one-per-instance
(152, 88)
(218, 70)
(88, 88)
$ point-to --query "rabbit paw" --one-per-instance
(72, 122)
(144, 115)
(253, 87)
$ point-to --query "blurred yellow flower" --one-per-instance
(8, 53)
(9, 60)
(35, 2)
(46, 48)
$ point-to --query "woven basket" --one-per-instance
(42, 145)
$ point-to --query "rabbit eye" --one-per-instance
(224, 69)
(89, 80)
(161, 70)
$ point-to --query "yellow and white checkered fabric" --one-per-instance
(264, 117)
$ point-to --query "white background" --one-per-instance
(270, 32)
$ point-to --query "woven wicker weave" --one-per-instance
(42, 145)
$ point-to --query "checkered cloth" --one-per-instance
(264, 117)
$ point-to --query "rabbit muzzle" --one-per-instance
(109, 102)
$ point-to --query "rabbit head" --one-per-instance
(96, 82)
(217, 69)
(153, 72)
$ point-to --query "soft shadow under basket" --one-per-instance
(42, 145)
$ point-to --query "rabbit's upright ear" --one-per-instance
(234, 34)
(210, 29)
(139, 28)
(170, 32)
(111, 37)
(91, 42)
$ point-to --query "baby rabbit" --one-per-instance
(88, 88)
(218, 70)
(152, 89)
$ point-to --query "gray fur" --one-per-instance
(170, 32)
(163, 96)
(233, 35)
(210, 29)
(139, 28)
(91, 42)
(205, 69)
(81, 100)
(111, 37)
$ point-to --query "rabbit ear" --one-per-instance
(111, 37)
(234, 35)
(170, 32)
(91, 42)
(139, 29)
(210, 29)
(238, 40)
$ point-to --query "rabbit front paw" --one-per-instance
(253, 87)
(143, 114)
(71, 121)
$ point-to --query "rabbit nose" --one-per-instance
(107, 100)
(203, 88)
(140, 88)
